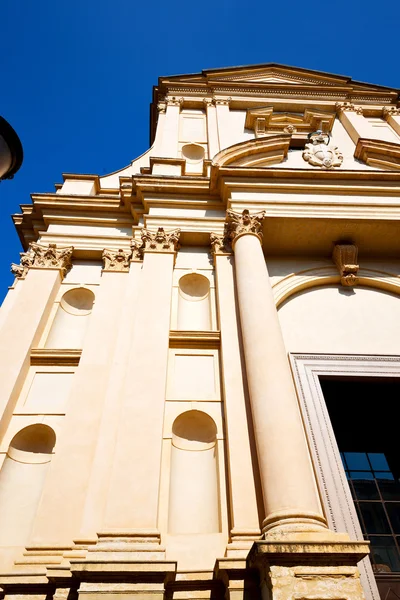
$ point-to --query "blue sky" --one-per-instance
(77, 75)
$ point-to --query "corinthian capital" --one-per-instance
(51, 257)
(160, 240)
(348, 107)
(240, 223)
(390, 111)
(26, 260)
(173, 101)
(220, 244)
(44, 257)
(345, 258)
(116, 260)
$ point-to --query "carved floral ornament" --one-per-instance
(116, 260)
(151, 241)
(236, 224)
(391, 111)
(43, 257)
(349, 107)
(160, 240)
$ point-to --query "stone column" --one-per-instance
(60, 514)
(40, 274)
(392, 116)
(212, 128)
(170, 133)
(290, 493)
(242, 474)
(132, 508)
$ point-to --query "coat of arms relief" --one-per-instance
(320, 153)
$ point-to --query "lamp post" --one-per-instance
(11, 153)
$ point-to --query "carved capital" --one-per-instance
(222, 101)
(161, 107)
(348, 107)
(116, 260)
(51, 257)
(345, 258)
(390, 111)
(137, 251)
(220, 244)
(173, 101)
(26, 260)
(238, 224)
(47, 257)
(160, 240)
(208, 102)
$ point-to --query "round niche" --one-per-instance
(33, 444)
(194, 430)
(193, 153)
(78, 302)
(194, 287)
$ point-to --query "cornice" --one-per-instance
(194, 339)
(378, 153)
(55, 357)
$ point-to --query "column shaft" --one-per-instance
(289, 489)
(244, 514)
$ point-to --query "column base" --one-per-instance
(241, 540)
(309, 569)
(290, 521)
(128, 545)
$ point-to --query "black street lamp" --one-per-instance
(11, 153)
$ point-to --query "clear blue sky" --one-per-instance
(77, 75)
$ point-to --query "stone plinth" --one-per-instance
(309, 569)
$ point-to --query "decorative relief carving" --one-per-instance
(137, 250)
(173, 101)
(26, 261)
(49, 257)
(116, 260)
(290, 129)
(349, 107)
(237, 224)
(390, 111)
(345, 258)
(160, 240)
(161, 107)
(208, 102)
(320, 153)
(222, 101)
(220, 244)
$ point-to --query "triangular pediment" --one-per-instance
(274, 74)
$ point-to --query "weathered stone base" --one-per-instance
(309, 570)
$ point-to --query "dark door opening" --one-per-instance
(365, 415)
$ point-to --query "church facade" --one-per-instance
(200, 355)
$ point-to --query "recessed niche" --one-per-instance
(193, 153)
